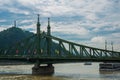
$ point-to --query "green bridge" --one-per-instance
(43, 48)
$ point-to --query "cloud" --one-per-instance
(26, 21)
(98, 39)
(116, 35)
(93, 20)
(18, 11)
(61, 7)
(3, 20)
(4, 27)
(66, 28)
(30, 27)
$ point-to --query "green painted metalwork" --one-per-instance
(38, 37)
(48, 39)
(50, 49)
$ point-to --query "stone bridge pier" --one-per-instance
(39, 69)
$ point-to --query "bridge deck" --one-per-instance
(49, 59)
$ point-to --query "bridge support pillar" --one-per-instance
(43, 70)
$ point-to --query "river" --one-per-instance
(69, 71)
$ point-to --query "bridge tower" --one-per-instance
(49, 42)
(38, 37)
(38, 69)
(48, 39)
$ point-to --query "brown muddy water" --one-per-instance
(69, 71)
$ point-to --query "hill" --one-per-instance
(12, 35)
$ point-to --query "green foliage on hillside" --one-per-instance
(12, 35)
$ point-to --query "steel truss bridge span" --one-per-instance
(61, 51)
(46, 48)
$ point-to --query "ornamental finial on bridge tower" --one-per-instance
(48, 21)
(38, 21)
(48, 27)
(38, 17)
(38, 24)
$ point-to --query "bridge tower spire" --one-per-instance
(38, 25)
(48, 39)
(38, 36)
(48, 28)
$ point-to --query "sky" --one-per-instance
(87, 22)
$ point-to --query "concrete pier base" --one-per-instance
(43, 70)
